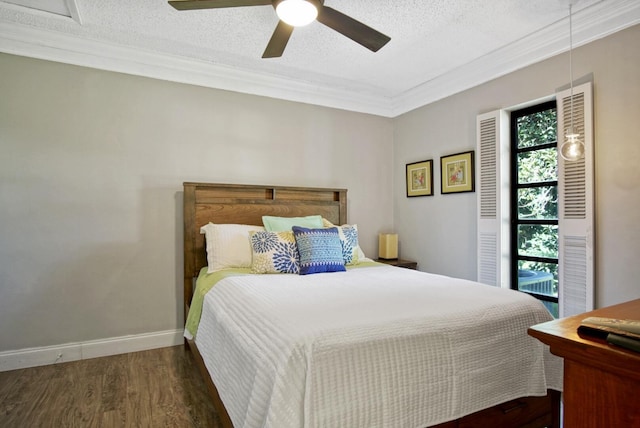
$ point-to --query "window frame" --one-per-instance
(514, 186)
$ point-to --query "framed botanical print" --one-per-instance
(457, 173)
(420, 178)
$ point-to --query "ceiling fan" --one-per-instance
(288, 13)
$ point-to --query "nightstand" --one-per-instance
(399, 263)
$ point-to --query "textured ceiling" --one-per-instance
(432, 42)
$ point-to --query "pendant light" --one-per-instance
(572, 149)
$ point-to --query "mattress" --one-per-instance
(371, 347)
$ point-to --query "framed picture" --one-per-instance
(457, 173)
(420, 178)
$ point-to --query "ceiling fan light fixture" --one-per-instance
(297, 13)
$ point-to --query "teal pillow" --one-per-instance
(283, 224)
(320, 250)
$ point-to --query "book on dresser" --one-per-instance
(620, 332)
(603, 326)
(623, 341)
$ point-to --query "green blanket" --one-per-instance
(206, 281)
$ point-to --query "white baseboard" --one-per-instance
(32, 357)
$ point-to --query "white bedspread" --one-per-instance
(371, 347)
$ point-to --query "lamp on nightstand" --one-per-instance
(388, 246)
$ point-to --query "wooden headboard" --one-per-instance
(246, 204)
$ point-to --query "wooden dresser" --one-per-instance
(601, 381)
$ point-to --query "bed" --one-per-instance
(455, 380)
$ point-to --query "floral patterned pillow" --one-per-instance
(349, 239)
(274, 252)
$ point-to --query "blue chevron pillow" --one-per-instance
(320, 250)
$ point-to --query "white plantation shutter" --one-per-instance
(576, 206)
(493, 198)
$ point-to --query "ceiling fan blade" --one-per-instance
(355, 30)
(278, 41)
(215, 4)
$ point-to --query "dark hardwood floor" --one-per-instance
(156, 388)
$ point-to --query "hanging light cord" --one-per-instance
(572, 149)
(571, 65)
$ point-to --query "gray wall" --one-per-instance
(92, 163)
(440, 231)
(91, 171)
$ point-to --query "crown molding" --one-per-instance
(48, 45)
(590, 24)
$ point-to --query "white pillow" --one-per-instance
(228, 245)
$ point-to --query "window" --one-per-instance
(534, 203)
